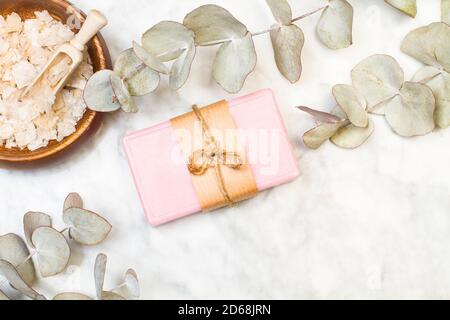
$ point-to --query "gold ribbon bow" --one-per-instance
(212, 156)
(232, 179)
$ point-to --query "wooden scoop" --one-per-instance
(71, 53)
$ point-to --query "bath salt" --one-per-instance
(25, 48)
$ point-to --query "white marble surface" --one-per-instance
(370, 223)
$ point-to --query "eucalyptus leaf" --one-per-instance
(352, 103)
(408, 7)
(445, 11)
(287, 42)
(99, 273)
(323, 117)
(143, 82)
(72, 296)
(213, 24)
(281, 11)
(99, 95)
(378, 78)
(32, 221)
(17, 282)
(3, 296)
(351, 136)
(167, 40)
(73, 200)
(234, 61)
(149, 60)
(140, 79)
(182, 67)
(86, 227)
(122, 94)
(439, 83)
(132, 283)
(335, 27)
(109, 295)
(14, 250)
(314, 138)
(411, 113)
(430, 45)
(53, 251)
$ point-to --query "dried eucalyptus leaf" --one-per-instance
(408, 7)
(314, 138)
(140, 79)
(378, 78)
(53, 251)
(127, 64)
(182, 67)
(109, 295)
(132, 282)
(445, 11)
(99, 95)
(99, 273)
(411, 113)
(323, 117)
(439, 83)
(167, 40)
(212, 24)
(72, 296)
(351, 136)
(149, 60)
(287, 42)
(86, 227)
(281, 11)
(17, 282)
(234, 61)
(3, 297)
(32, 221)
(430, 45)
(335, 27)
(14, 250)
(144, 82)
(73, 200)
(122, 94)
(352, 103)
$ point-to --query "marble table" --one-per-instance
(369, 223)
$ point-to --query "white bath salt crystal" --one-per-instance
(6, 131)
(39, 56)
(25, 136)
(3, 25)
(4, 46)
(6, 91)
(23, 73)
(74, 102)
(65, 128)
(10, 143)
(43, 16)
(31, 29)
(14, 23)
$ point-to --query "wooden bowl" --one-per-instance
(98, 51)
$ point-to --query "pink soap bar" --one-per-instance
(164, 184)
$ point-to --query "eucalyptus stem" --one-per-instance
(293, 20)
(308, 14)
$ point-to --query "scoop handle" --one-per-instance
(95, 21)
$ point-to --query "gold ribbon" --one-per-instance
(220, 177)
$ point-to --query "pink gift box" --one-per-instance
(164, 182)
